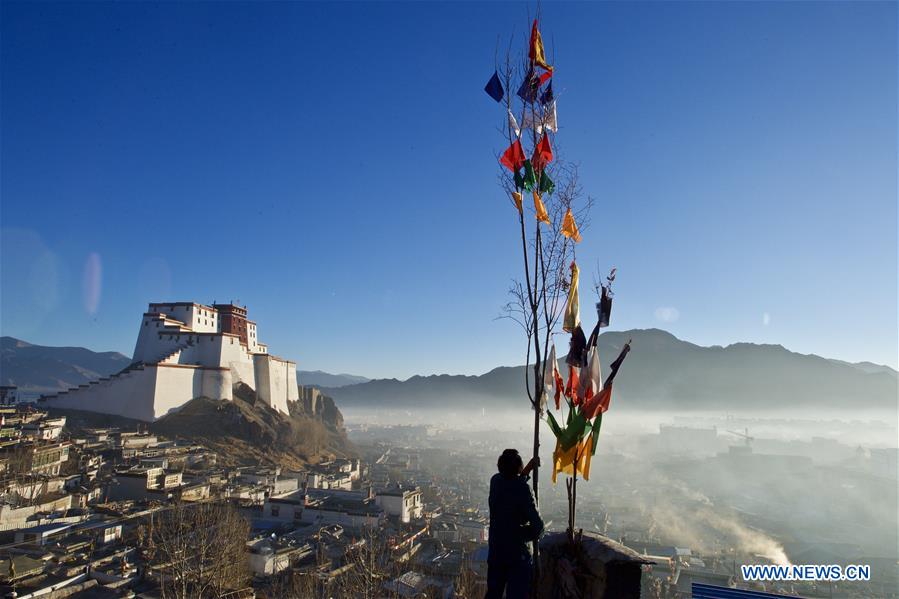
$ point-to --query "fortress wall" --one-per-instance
(150, 393)
(175, 386)
(261, 366)
(217, 383)
(207, 350)
(276, 381)
(130, 395)
(235, 356)
(150, 347)
(293, 389)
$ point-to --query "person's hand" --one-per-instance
(534, 462)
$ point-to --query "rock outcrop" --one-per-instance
(595, 567)
(246, 430)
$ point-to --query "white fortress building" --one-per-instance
(186, 350)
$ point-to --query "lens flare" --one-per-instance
(92, 283)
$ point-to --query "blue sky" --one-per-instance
(332, 167)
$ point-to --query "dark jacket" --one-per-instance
(514, 521)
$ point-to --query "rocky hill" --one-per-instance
(244, 431)
(247, 431)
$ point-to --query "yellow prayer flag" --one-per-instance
(573, 307)
(516, 197)
(569, 227)
(542, 215)
(535, 52)
(581, 453)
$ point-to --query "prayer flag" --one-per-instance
(532, 120)
(516, 197)
(574, 429)
(557, 377)
(569, 227)
(547, 121)
(546, 184)
(550, 122)
(542, 215)
(604, 307)
(591, 377)
(617, 363)
(547, 96)
(572, 308)
(529, 181)
(543, 154)
(573, 385)
(535, 52)
(548, 379)
(513, 124)
(577, 348)
(494, 88)
(575, 459)
(599, 403)
(530, 87)
(513, 158)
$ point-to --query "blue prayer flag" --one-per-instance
(547, 96)
(530, 87)
(494, 88)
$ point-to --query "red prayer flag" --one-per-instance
(598, 404)
(560, 384)
(574, 384)
(543, 154)
(513, 158)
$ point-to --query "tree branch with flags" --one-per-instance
(548, 292)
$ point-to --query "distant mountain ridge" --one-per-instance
(40, 369)
(319, 378)
(662, 372)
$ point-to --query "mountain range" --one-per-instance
(663, 372)
(38, 369)
(319, 378)
(660, 372)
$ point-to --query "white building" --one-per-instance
(400, 502)
(186, 350)
(349, 509)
